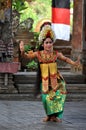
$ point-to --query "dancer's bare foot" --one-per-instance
(54, 119)
(58, 120)
(46, 119)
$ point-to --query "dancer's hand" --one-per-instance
(21, 45)
(77, 62)
(78, 65)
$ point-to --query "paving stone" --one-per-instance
(27, 115)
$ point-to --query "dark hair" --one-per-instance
(38, 78)
(47, 37)
(38, 81)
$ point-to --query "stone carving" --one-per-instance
(6, 50)
(15, 21)
(26, 24)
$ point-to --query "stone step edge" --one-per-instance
(68, 85)
(27, 95)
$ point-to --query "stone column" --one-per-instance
(77, 36)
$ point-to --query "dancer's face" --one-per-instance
(48, 44)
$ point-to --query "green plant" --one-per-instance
(27, 48)
(19, 5)
(32, 65)
(36, 35)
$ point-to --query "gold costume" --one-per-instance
(49, 72)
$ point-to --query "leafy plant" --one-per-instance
(32, 65)
(36, 35)
(18, 5)
(27, 48)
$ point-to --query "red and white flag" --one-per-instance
(61, 19)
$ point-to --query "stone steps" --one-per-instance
(24, 35)
(30, 96)
(30, 77)
(25, 84)
(76, 97)
(6, 85)
(74, 78)
(24, 97)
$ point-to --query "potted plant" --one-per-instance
(32, 63)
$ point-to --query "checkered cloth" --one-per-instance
(6, 48)
(7, 67)
(2, 47)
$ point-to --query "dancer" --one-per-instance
(52, 84)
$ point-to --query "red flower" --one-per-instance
(48, 34)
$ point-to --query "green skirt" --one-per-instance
(53, 102)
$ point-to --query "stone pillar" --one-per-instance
(77, 36)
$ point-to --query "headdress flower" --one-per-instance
(46, 32)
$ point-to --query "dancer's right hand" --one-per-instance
(21, 46)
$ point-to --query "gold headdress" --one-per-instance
(46, 32)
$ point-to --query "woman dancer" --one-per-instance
(52, 84)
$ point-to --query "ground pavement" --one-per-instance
(27, 115)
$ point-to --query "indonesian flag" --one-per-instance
(61, 19)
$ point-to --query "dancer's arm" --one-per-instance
(30, 54)
(68, 60)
